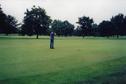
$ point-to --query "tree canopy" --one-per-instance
(106, 28)
(2, 20)
(36, 21)
(62, 28)
(8, 24)
(85, 24)
(119, 25)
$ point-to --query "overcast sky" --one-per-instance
(67, 9)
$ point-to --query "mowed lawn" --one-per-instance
(73, 61)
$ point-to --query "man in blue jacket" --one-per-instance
(52, 40)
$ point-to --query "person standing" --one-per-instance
(52, 40)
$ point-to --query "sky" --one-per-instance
(69, 10)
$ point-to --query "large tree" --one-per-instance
(36, 21)
(11, 25)
(62, 28)
(106, 28)
(57, 27)
(8, 24)
(118, 22)
(95, 30)
(68, 28)
(124, 27)
(2, 20)
(85, 25)
(77, 31)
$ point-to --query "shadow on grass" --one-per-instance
(104, 38)
(21, 37)
(114, 78)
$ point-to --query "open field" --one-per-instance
(73, 61)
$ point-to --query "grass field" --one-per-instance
(73, 61)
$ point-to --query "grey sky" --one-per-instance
(67, 9)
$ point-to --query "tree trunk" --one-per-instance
(83, 36)
(37, 36)
(6, 34)
(117, 36)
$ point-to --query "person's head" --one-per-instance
(52, 32)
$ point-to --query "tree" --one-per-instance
(57, 27)
(11, 25)
(95, 30)
(77, 31)
(36, 21)
(124, 27)
(106, 28)
(8, 24)
(86, 25)
(62, 28)
(118, 21)
(2, 20)
(68, 28)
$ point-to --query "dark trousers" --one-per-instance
(51, 43)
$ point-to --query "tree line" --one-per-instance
(37, 22)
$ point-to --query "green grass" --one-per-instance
(74, 60)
